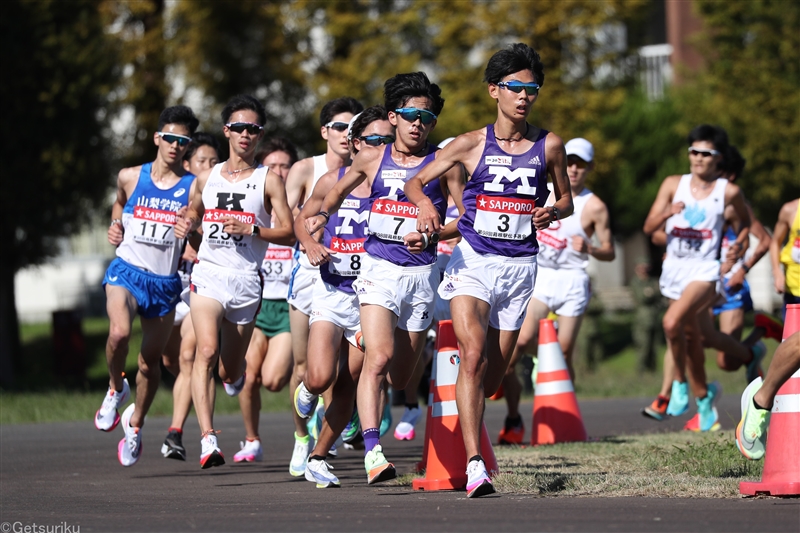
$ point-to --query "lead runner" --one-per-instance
(490, 277)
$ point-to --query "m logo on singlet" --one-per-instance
(394, 180)
(230, 201)
(349, 218)
(521, 174)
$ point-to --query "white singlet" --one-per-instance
(555, 242)
(320, 169)
(695, 233)
(243, 200)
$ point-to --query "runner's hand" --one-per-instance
(314, 224)
(115, 234)
(736, 280)
(234, 226)
(542, 217)
(427, 218)
(183, 225)
(414, 242)
(318, 254)
(580, 245)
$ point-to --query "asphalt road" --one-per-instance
(67, 475)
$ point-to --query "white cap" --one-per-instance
(350, 126)
(446, 142)
(580, 147)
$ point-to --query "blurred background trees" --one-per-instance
(86, 81)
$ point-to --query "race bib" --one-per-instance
(213, 222)
(277, 264)
(690, 241)
(346, 261)
(504, 218)
(154, 226)
(550, 246)
(391, 220)
(796, 250)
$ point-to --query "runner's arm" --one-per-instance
(735, 198)
(316, 253)
(126, 178)
(779, 235)
(455, 180)
(364, 162)
(296, 181)
(604, 252)
(764, 240)
(194, 212)
(662, 207)
(556, 157)
(275, 195)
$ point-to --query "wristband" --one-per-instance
(324, 214)
(115, 221)
(745, 268)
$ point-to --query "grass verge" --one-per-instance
(675, 465)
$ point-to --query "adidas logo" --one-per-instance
(535, 161)
(449, 287)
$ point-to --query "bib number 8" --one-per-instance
(355, 262)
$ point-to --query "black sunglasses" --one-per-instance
(239, 127)
(338, 126)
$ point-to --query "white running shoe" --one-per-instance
(130, 447)
(210, 454)
(302, 448)
(319, 472)
(405, 429)
(478, 481)
(233, 389)
(107, 417)
(250, 452)
(305, 403)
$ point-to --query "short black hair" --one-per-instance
(367, 117)
(713, 134)
(199, 139)
(244, 101)
(277, 144)
(514, 58)
(179, 114)
(401, 88)
(734, 162)
(345, 104)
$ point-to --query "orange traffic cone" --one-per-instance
(444, 456)
(556, 416)
(781, 475)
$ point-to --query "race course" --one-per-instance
(68, 474)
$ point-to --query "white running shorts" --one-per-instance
(408, 292)
(301, 288)
(677, 274)
(505, 283)
(566, 292)
(238, 292)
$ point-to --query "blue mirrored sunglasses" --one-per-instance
(377, 140)
(410, 114)
(532, 89)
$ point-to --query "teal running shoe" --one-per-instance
(679, 399)
(754, 369)
(352, 428)
(706, 407)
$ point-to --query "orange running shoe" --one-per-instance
(658, 409)
(498, 395)
(773, 326)
(693, 424)
(512, 433)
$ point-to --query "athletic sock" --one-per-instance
(176, 430)
(513, 422)
(372, 437)
(475, 458)
(414, 405)
(317, 458)
(755, 403)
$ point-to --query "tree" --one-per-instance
(54, 151)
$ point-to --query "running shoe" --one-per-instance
(333, 453)
(751, 433)
(173, 446)
(250, 452)
(319, 472)
(360, 341)
(772, 326)
(405, 429)
(706, 407)
(378, 468)
(302, 447)
(386, 418)
(130, 447)
(478, 482)
(499, 394)
(304, 402)
(535, 371)
(679, 399)
(658, 409)
(107, 417)
(351, 430)
(754, 369)
(693, 424)
(513, 431)
(233, 389)
(210, 454)
(314, 424)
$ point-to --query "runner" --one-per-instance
(562, 283)
(143, 279)
(491, 274)
(785, 249)
(269, 355)
(178, 357)
(398, 275)
(334, 355)
(334, 120)
(693, 207)
(234, 201)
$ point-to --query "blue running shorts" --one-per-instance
(735, 300)
(155, 295)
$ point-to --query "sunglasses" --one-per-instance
(703, 152)
(411, 114)
(532, 89)
(377, 140)
(338, 126)
(239, 127)
(170, 138)
(573, 160)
